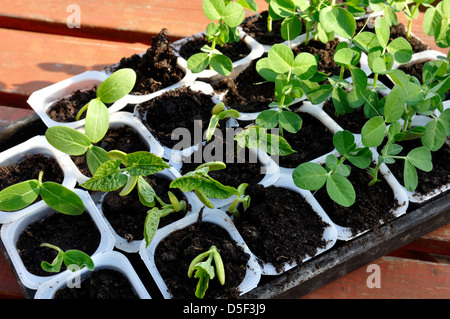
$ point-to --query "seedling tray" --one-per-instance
(341, 259)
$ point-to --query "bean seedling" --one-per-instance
(147, 197)
(205, 271)
(204, 186)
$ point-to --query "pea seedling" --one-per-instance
(204, 186)
(115, 87)
(229, 15)
(436, 23)
(58, 197)
(287, 72)
(406, 99)
(205, 271)
(73, 259)
(312, 176)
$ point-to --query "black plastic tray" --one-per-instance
(343, 258)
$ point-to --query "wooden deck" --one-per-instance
(38, 49)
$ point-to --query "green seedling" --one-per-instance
(289, 12)
(73, 259)
(240, 199)
(205, 271)
(255, 137)
(436, 23)
(58, 197)
(73, 142)
(115, 87)
(288, 73)
(148, 197)
(381, 52)
(406, 99)
(204, 186)
(228, 15)
(312, 176)
(219, 113)
(124, 170)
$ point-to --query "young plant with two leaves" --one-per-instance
(58, 197)
(334, 176)
(229, 15)
(73, 259)
(112, 89)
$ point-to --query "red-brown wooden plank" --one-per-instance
(9, 287)
(133, 20)
(399, 279)
(32, 61)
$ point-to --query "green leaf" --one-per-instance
(96, 156)
(68, 140)
(55, 266)
(366, 41)
(420, 157)
(343, 141)
(233, 14)
(281, 58)
(361, 158)
(304, 65)
(257, 137)
(78, 258)
(264, 69)
(401, 49)
(97, 120)
(340, 190)
(19, 196)
(435, 135)
(373, 132)
(117, 85)
(61, 199)
(395, 104)
(410, 178)
(144, 163)
(444, 118)
(146, 193)
(107, 178)
(198, 62)
(309, 176)
(221, 64)
(338, 20)
(291, 28)
(204, 272)
(290, 121)
(268, 119)
(151, 225)
(283, 8)
(213, 9)
(382, 31)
